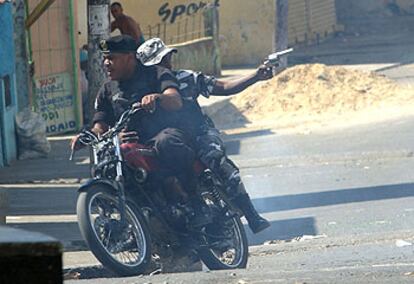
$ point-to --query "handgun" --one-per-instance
(272, 60)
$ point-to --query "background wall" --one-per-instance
(246, 30)
(8, 151)
(6, 40)
(196, 55)
(357, 8)
(246, 26)
(56, 92)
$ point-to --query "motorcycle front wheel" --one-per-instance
(122, 246)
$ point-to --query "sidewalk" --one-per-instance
(43, 192)
(56, 168)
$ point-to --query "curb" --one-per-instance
(29, 257)
(4, 206)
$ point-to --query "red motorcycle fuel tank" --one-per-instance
(139, 156)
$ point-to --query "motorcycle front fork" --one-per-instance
(120, 181)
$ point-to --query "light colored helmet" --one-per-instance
(152, 51)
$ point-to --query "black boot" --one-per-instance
(255, 221)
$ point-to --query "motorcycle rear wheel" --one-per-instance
(234, 257)
(128, 250)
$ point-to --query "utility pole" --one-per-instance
(98, 29)
(23, 78)
(212, 28)
(281, 29)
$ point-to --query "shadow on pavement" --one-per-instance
(42, 200)
(283, 230)
(232, 141)
(248, 134)
(89, 272)
(53, 168)
(327, 198)
(67, 233)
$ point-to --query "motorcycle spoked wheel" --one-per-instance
(233, 253)
(125, 250)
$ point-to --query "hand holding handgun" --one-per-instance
(272, 61)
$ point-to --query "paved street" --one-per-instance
(341, 201)
(357, 196)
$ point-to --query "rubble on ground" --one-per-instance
(311, 92)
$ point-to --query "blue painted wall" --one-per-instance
(6, 39)
(7, 68)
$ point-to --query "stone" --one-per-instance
(28, 257)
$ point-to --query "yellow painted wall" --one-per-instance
(246, 26)
(149, 13)
(246, 30)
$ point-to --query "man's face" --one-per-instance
(116, 11)
(119, 66)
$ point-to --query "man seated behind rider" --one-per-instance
(156, 89)
(209, 146)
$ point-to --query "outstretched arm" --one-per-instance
(227, 87)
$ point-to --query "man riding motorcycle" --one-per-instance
(210, 147)
(156, 90)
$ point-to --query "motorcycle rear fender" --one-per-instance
(84, 187)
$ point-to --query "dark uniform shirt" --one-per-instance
(114, 98)
(191, 86)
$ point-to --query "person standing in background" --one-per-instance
(125, 24)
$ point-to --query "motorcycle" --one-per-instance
(131, 212)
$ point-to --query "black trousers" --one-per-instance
(174, 150)
(211, 151)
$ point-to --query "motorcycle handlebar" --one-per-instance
(87, 137)
(123, 120)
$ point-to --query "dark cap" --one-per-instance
(118, 44)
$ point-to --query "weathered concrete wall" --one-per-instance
(50, 39)
(246, 30)
(246, 26)
(195, 55)
(57, 93)
(347, 9)
(149, 13)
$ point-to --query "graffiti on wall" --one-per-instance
(55, 102)
(172, 13)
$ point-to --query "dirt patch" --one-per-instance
(314, 93)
